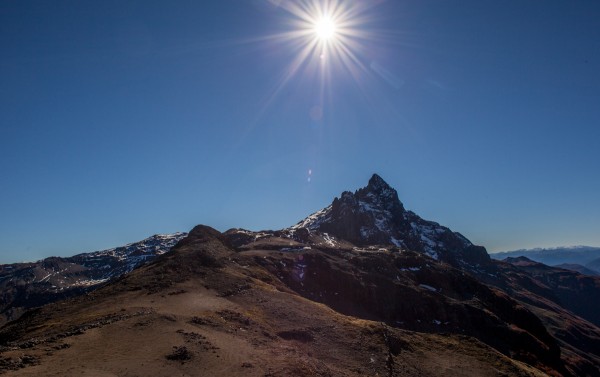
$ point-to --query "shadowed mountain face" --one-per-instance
(363, 287)
(578, 268)
(374, 215)
(594, 265)
(576, 292)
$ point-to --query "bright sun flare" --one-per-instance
(327, 38)
(325, 28)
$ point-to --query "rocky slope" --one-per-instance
(362, 287)
(575, 292)
(564, 300)
(28, 285)
(374, 215)
(208, 308)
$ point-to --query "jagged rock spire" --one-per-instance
(377, 183)
(378, 193)
(374, 215)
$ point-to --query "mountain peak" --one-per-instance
(374, 215)
(378, 194)
(376, 182)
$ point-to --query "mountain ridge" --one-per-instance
(27, 285)
(586, 256)
(350, 290)
(253, 289)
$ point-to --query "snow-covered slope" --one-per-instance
(26, 285)
(121, 260)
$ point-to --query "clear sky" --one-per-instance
(122, 119)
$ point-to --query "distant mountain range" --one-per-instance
(584, 259)
(361, 287)
(28, 285)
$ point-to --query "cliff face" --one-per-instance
(374, 215)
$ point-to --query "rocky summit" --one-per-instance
(374, 215)
(360, 288)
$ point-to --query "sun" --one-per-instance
(326, 40)
(325, 28)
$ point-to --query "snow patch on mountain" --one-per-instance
(313, 221)
(26, 285)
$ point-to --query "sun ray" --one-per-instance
(326, 40)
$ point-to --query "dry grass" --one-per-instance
(233, 318)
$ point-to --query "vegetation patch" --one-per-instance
(298, 335)
(180, 354)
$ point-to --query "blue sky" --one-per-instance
(121, 119)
